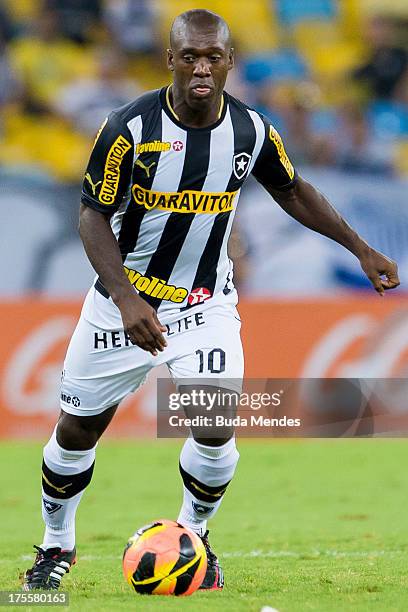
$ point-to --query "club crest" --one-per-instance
(240, 164)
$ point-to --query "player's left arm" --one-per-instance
(307, 205)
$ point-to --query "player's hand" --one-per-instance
(377, 266)
(141, 324)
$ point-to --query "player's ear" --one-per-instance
(231, 59)
(170, 59)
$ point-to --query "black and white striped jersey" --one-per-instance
(172, 193)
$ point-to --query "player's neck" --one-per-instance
(190, 117)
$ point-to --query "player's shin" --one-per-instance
(206, 472)
(65, 475)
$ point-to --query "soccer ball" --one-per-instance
(165, 558)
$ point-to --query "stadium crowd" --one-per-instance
(333, 77)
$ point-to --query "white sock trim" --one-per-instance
(65, 462)
(212, 452)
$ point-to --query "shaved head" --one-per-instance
(199, 19)
(199, 58)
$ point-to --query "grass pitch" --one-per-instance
(306, 525)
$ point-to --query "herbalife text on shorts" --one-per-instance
(209, 400)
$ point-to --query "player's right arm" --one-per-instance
(106, 181)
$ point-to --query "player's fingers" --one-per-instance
(162, 328)
(376, 281)
(151, 341)
(159, 342)
(392, 279)
(156, 333)
(387, 284)
(152, 335)
(140, 339)
(146, 347)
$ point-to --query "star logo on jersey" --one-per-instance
(240, 164)
(178, 145)
(198, 295)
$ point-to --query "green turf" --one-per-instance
(305, 525)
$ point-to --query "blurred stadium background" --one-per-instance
(331, 74)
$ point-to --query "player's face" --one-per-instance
(200, 61)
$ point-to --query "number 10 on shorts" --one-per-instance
(212, 361)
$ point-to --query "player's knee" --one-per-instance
(213, 441)
(82, 432)
(74, 433)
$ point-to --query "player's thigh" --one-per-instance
(211, 353)
(101, 368)
(209, 367)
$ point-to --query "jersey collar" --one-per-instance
(168, 109)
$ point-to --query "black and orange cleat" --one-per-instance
(214, 577)
(48, 569)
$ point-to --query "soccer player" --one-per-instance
(158, 201)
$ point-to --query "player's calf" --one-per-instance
(67, 469)
(206, 472)
(65, 476)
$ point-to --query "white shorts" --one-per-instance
(102, 366)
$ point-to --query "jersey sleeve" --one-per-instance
(109, 169)
(273, 167)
